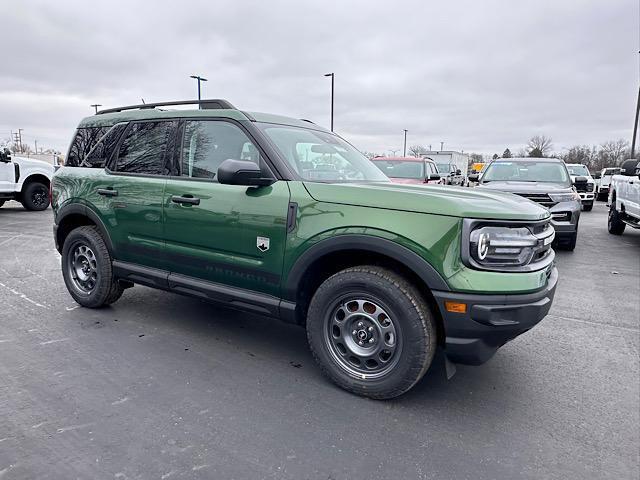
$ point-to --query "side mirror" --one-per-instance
(629, 167)
(458, 172)
(242, 172)
(5, 156)
(580, 180)
(474, 177)
(434, 176)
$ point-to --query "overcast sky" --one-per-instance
(478, 75)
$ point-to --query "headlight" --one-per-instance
(509, 247)
(564, 197)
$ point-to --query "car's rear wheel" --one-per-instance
(86, 268)
(35, 196)
(615, 225)
(371, 332)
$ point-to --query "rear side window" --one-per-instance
(147, 148)
(104, 150)
(83, 142)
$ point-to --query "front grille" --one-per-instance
(541, 198)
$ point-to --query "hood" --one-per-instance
(407, 181)
(525, 187)
(435, 199)
(32, 162)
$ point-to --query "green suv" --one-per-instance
(281, 217)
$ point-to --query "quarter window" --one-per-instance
(207, 144)
(147, 148)
(83, 142)
(103, 151)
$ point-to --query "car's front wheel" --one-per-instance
(86, 268)
(371, 331)
(35, 196)
(615, 225)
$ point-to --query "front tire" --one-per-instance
(615, 225)
(86, 269)
(371, 332)
(35, 196)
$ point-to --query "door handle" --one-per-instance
(185, 200)
(108, 192)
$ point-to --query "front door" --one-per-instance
(229, 234)
(7, 177)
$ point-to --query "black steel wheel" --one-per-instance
(86, 269)
(371, 331)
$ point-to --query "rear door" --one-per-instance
(7, 177)
(132, 191)
(229, 234)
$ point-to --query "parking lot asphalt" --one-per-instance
(160, 386)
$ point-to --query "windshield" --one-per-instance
(444, 168)
(578, 170)
(526, 171)
(320, 156)
(400, 169)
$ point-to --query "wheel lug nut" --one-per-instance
(371, 340)
(370, 329)
(361, 343)
(360, 324)
(354, 332)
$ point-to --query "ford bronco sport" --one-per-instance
(281, 217)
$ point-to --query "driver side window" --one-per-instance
(208, 143)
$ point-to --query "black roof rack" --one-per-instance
(211, 104)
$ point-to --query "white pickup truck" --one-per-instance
(25, 180)
(624, 198)
(603, 179)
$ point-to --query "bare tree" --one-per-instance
(541, 144)
(615, 151)
(417, 150)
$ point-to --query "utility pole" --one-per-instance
(332, 85)
(429, 147)
(635, 127)
(404, 150)
(36, 142)
(441, 145)
(20, 137)
(96, 105)
(199, 79)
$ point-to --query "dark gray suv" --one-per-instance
(547, 182)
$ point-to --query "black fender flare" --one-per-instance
(382, 246)
(80, 209)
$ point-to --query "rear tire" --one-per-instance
(570, 243)
(615, 225)
(86, 269)
(35, 196)
(588, 207)
(371, 332)
(1, 203)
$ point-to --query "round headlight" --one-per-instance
(483, 246)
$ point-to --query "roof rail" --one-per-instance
(203, 104)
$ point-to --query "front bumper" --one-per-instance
(491, 320)
(587, 197)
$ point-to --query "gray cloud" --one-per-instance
(480, 76)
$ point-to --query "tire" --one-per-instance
(86, 268)
(615, 225)
(1, 203)
(385, 312)
(588, 207)
(570, 243)
(35, 196)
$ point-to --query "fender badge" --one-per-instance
(262, 243)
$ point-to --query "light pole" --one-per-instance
(199, 79)
(332, 82)
(96, 105)
(404, 154)
(441, 145)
